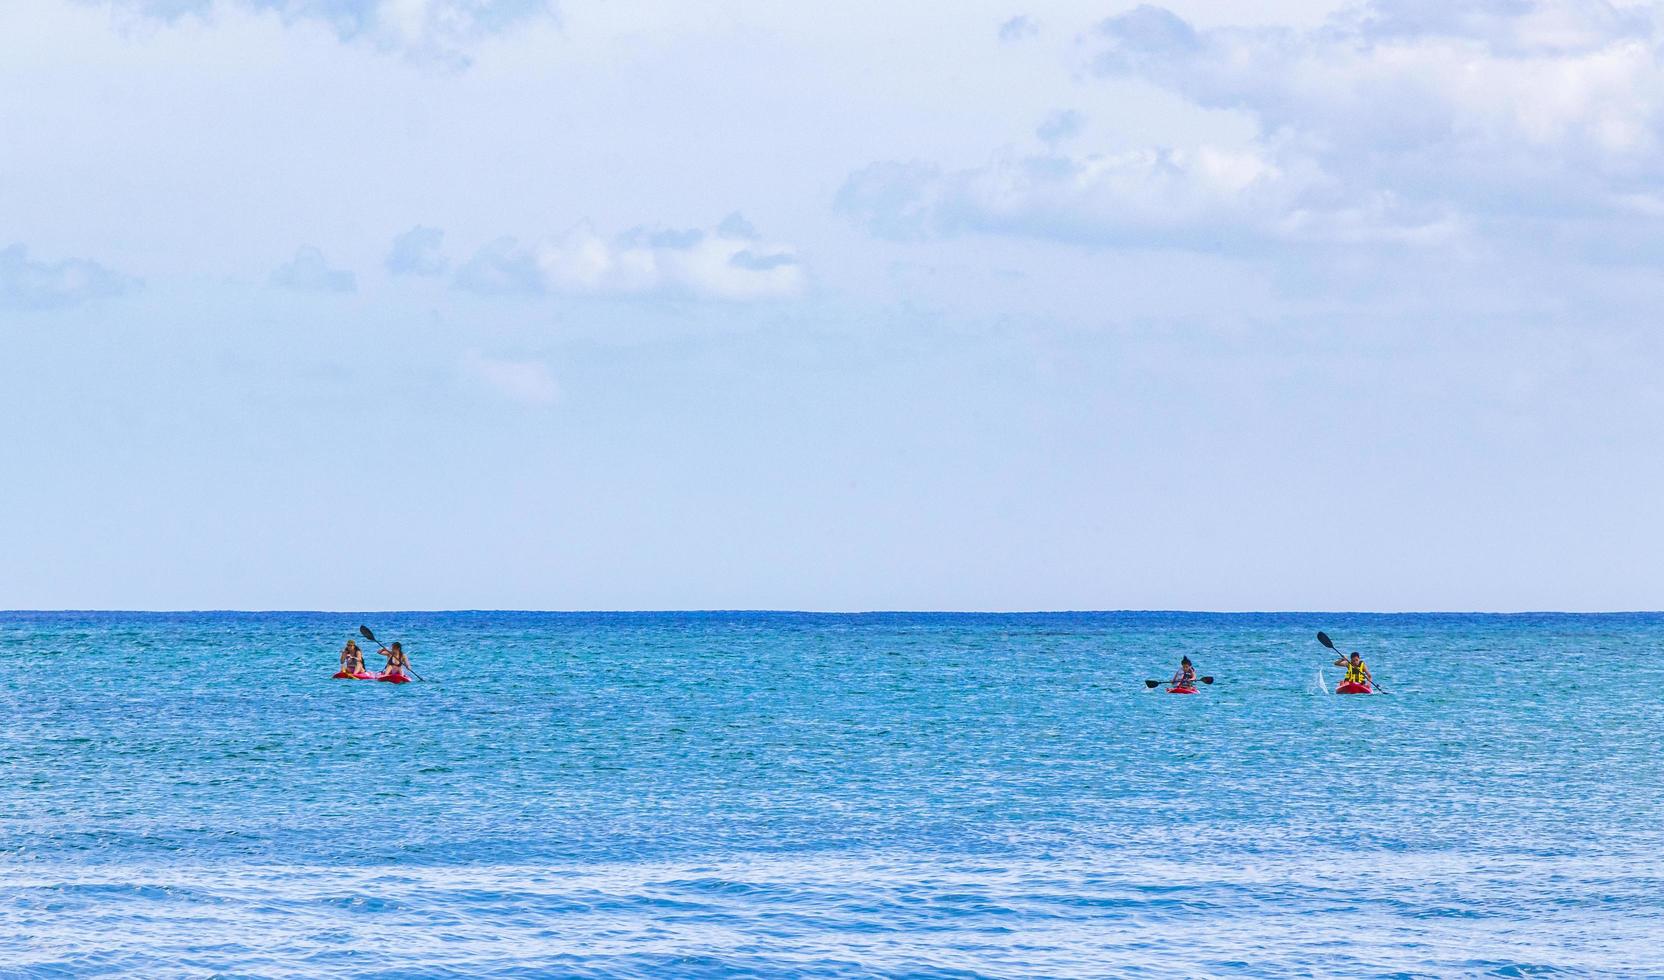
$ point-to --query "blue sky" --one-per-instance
(352, 304)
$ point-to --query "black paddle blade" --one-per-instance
(1323, 638)
(1152, 683)
(1205, 680)
(368, 635)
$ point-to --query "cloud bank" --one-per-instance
(1207, 197)
(1397, 121)
(439, 30)
(728, 262)
(29, 284)
(1502, 105)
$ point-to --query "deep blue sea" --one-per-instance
(784, 795)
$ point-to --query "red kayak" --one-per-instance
(1350, 687)
(1181, 689)
(361, 676)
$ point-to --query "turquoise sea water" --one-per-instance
(811, 795)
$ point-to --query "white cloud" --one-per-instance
(309, 271)
(501, 267)
(1432, 98)
(1402, 121)
(1019, 28)
(1060, 125)
(1205, 197)
(29, 284)
(527, 382)
(727, 262)
(416, 253)
(438, 30)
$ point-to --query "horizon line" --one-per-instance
(858, 612)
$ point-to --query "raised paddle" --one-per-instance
(1323, 638)
(365, 630)
(1204, 680)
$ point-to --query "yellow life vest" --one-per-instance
(1355, 673)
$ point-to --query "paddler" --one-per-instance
(1186, 677)
(352, 658)
(396, 660)
(1356, 672)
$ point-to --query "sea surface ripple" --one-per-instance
(782, 795)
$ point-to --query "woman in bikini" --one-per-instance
(397, 662)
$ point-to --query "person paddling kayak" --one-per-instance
(397, 662)
(1186, 677)
(1356, 671)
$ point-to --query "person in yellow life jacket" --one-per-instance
(1186, 677)
(1356, 671)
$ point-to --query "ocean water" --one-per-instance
(773, 795)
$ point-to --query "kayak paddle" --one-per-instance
(1204, 680)
(1323, 638)
(365, 630)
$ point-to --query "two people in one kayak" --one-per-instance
(352, 660)
(1356, 671)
